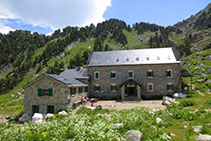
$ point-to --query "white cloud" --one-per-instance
(5, 29)
(55, 13)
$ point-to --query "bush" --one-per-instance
(187, 103)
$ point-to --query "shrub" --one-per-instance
(208, 103)
(187, 103)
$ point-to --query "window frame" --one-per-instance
(148, 85)
(95, 86)
(171, 73)
(129, 71)
(150, 71)
(95, 75)
(112, 72)
(172, 86)
(113, 85)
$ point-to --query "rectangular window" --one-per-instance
(170, 87)
(35, 109)
(72, 91)
(45, 92)
(96, 75)
(113, 87)
(150, 73)
(150, 87)
(97, 88)
(130, 74)
(112, 75)
(50, 109)
(168, 73)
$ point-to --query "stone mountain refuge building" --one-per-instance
(122, 74)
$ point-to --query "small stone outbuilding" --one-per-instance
(51, 93)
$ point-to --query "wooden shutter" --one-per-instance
(94, 88)
(99, 88)
(110, 74)
(71, 91)
(152, 73)
(50, 92)
(115, 87)
(97, 75)
(39, 92)
(166, 73)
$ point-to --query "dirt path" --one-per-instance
(74, 111)
(153, 105)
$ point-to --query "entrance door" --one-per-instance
(35, 109)
(50, 109)
(131, 91)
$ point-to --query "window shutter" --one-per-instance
(110, 74)
(116, 87)
(147, 74)
(39, 92)
(50, 92)
(71, 91)
(152, 74)
(99, 88)
(166, 73)
(94, 88)
(96, 75)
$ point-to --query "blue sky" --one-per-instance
(47, 16)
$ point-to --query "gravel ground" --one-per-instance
(152, 105)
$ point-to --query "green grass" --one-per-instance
(4, 73)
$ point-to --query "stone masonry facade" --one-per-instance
(159, 80)
(60, 99)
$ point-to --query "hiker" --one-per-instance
(92, 105)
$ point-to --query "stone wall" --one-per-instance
(61, 99)
(140, 75)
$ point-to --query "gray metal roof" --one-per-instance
(70, 82)
(134, 57)
(73, 73)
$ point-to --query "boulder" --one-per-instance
(49, 115)
(132, 135)
(7, 117)
(202, 70)
(12, 96)
(158, 120)
(92, 108)
(209, 81)
(24, 118)
(203, 137)
(118, 125)
(18, 93)
(37, 117)
(197, 128)
(203, 75)
(63, 113)
(172, 134)
(197, 68)
(201, 80)
(167, 100)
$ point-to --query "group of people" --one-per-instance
(85, 99)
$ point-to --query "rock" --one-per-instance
(92, 108)
(24, 118)
(132, 135)
(194, 63)
(93, 100)
(202, 70)
(203, 137)
(203, 75)
(202, 64)
(197, 128)
(209, 81)
(118, 125)
(158, 120)
(18, 93)
(185, 126)
(63, 113)
(12, 119)
(172, 134)
(200, 80)
(37, 117)
(12, 96)
(167, 100)
(7, 117)
(110, 105)
(197, 68)
(49, 115)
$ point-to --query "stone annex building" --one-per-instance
(122, 74)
